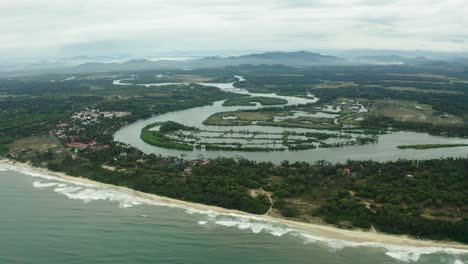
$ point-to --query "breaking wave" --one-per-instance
(401, 253)
(258, 225)
(39, 184)
(89, 193)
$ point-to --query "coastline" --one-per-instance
(318, 231)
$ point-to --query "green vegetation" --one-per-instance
(305, 122)
(165, 176)
(431, 146)
(412, 112)
(252, 100)
(427, 199)
(150, 77)
(440, 87)
(379, 115)
(171, 126)
(35, 107)
(381, 122)
(368, 194)
(173, 135)
(159, 139)
(266, 117)
(240, 118)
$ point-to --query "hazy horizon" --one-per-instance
(52, 28)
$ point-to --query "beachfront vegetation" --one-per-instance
(425, 200)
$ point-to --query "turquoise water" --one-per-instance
(45, 220)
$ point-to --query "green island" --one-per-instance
(431, 146)
(158, 138)
(68, 126)
(173, 135)
(254, 99)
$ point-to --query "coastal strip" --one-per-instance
(315, 232)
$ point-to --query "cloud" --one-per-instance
(62, 27)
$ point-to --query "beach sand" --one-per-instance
(318, 230)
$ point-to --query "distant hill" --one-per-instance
(396, 60)
(300, 58)
(300, 55)
(463, 61)
(297, 59)
(83, 64)
(383, 59)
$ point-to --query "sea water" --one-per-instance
(44, 219)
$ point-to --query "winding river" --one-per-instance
(385, 150)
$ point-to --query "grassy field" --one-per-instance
(427, 75)
(168, 77)
(408, 111)
(35, 144)
(267, 119)
(252, 100)
(190, 78)
(305, 122)
(241, 118)
(327, 84)
(352, 111)
(353, 120)
(334, 84)
(414, 89)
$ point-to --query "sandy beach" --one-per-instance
(317, 230)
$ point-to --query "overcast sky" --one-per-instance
(74, 27)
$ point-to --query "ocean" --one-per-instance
(47, 220)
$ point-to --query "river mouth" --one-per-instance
(384, 150)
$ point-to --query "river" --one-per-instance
(385, 150)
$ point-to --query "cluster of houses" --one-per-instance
(91, 145)
(63, 128)
(91, 115)
(78, 122)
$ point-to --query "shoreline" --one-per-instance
(319, 231)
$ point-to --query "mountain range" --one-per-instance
(297, 59)
(294, 59)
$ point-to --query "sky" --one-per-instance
(156, 27)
